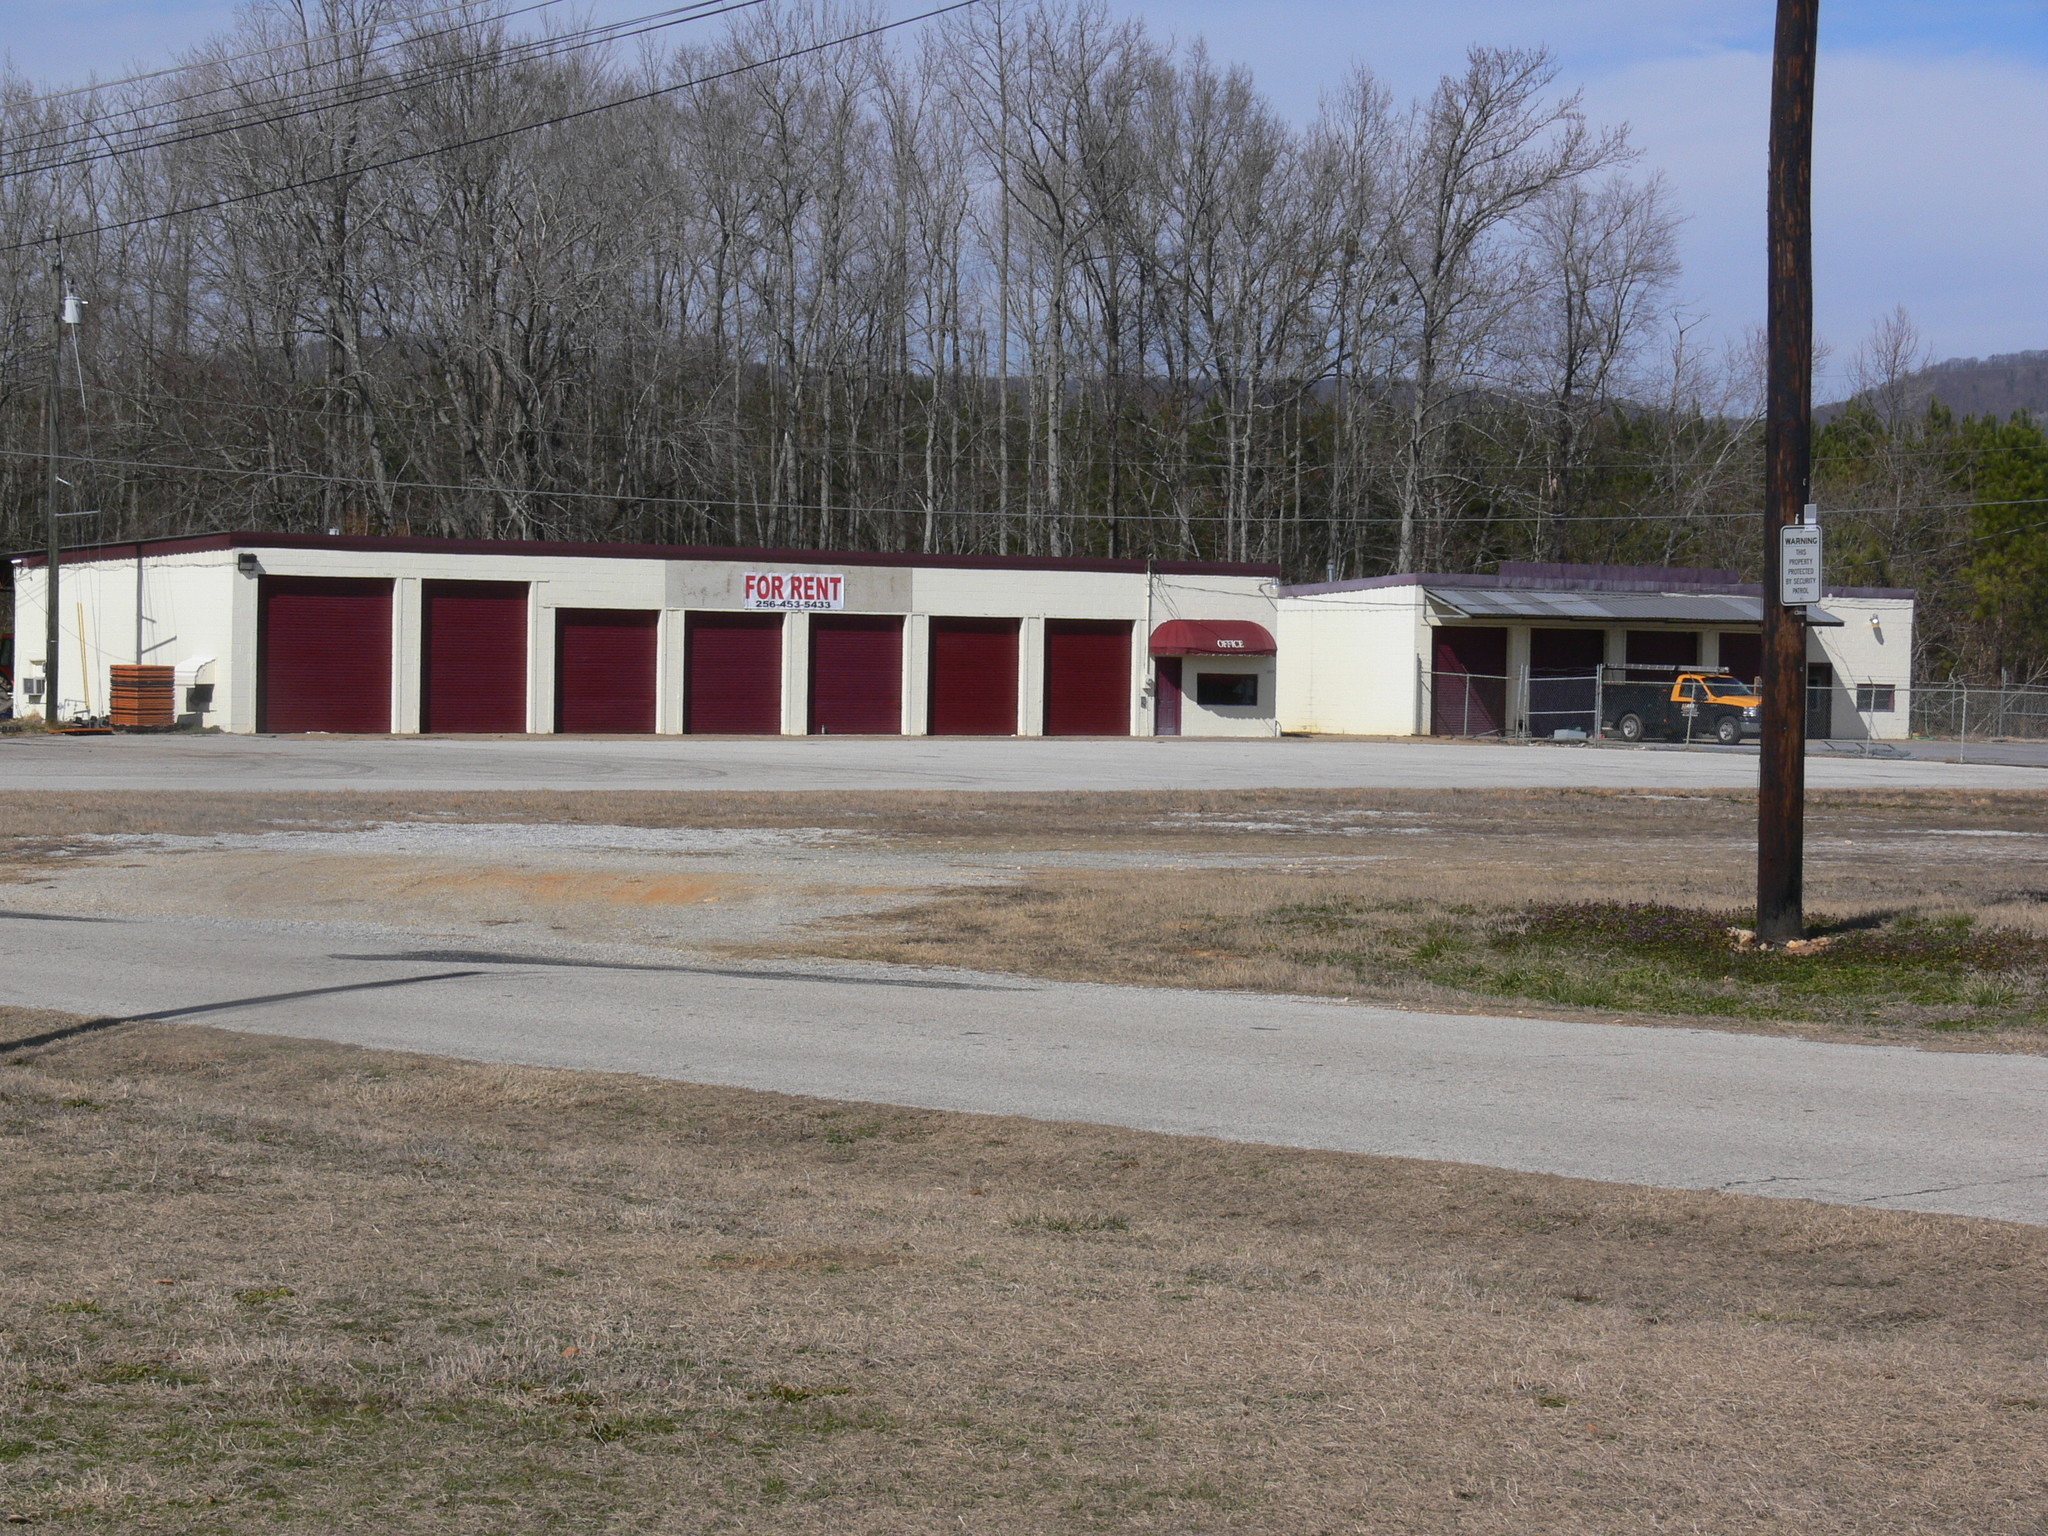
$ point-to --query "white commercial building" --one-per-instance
(282, 632)
(1523, 651)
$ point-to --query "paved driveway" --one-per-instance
(822, 763)
(1845, 1123)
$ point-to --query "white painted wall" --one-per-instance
(1863, 652)
(1197, 719)
(187, 607)
(1348, 662)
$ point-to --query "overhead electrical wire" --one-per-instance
(397, 85)
(656, 442)
(254, 53)
(629, 497)
(158, 105)
(635, 99)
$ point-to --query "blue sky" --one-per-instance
(1931, 124)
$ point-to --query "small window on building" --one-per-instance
(1876, 698)
(1223, 689)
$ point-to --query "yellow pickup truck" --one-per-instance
(1693, 706)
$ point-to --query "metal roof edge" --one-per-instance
(568, 549)
(1452, 580)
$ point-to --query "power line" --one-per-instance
(1635, 519)
(254, 53)
(420, 78)
(160, 104)
(502, 133)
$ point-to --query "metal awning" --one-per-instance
(1212, 637)
(1709, 608)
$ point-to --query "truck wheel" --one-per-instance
(1629, 727)
(1728, 732)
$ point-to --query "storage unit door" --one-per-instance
(1468, 682)
(1087, 677)
(1742, 655)
(1564, 668)
(604, 670)
(973, 677)
(856, 675)
(1663, 650)
(735, 674)
(473, 655)
(323, 654)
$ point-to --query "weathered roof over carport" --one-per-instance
(1719, 608)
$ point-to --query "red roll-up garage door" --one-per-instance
(1087, 677)
(973, 677)
(1469, 687)
(323, 654)
(735, 674)
(856, 675)
(604, 670)
(473, 656)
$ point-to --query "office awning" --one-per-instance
(1212, 637)
(1703, 608)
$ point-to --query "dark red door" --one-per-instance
(1564, 671)
(473, 655)
(323, 658)
(973, 677)
(1742, 655)
(1087, 677)
(604, 670)
(735, 674)
(1664, 650)
(1166, 696)
(856, 675)
(1469, 689)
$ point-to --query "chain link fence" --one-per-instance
(1956, 712)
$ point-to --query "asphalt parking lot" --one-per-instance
(931, 763)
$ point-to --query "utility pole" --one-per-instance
(1788, 445)
(52, 410)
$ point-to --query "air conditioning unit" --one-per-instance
(32, 687)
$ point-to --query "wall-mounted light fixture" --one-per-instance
(245, 562)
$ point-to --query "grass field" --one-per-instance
(257, 1285)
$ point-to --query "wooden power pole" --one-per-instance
(53, 403)
(1788, 455)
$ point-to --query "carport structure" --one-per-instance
(359, 634)
(1524, 651)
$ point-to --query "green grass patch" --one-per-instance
(1942, 972)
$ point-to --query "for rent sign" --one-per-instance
(798, 590)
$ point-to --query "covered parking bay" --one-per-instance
(1526, 651)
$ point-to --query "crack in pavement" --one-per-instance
(49, 1037)
(56, 917)
(489, 957)
(1942, 1189)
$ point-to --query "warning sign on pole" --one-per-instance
(1798, 565)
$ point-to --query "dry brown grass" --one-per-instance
(1423, 871)
(1576, 821)
(258, 1284)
